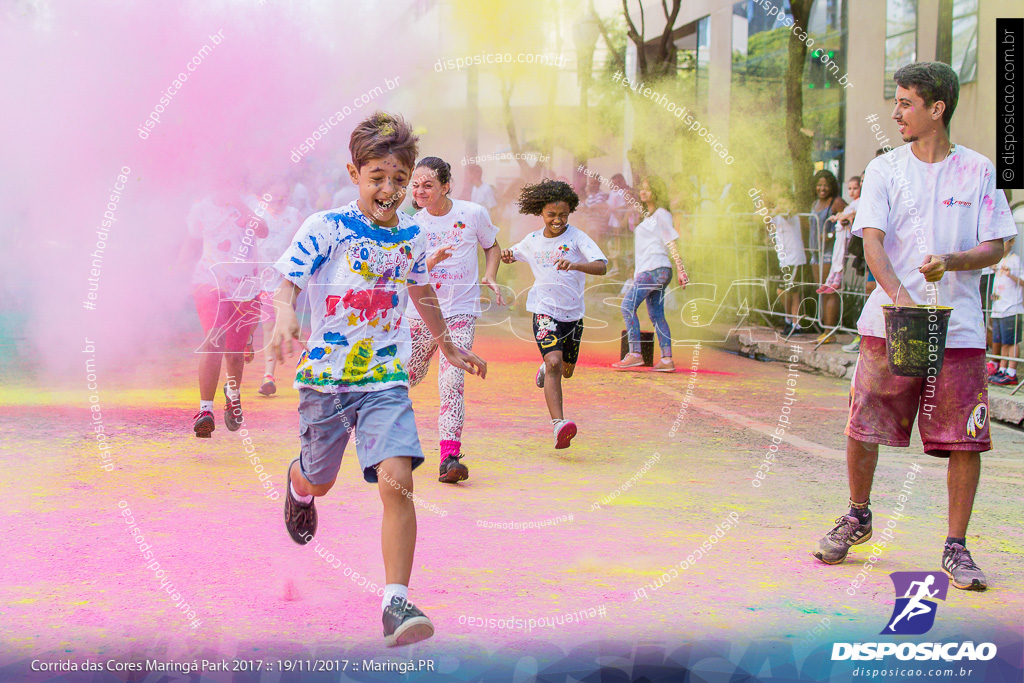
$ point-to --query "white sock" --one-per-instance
(206, 405)
(1012, 372)
(390, 591)
(305, 500)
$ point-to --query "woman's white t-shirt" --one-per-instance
(650, 238)
(456, 279)
(939, 208)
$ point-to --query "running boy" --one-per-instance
(561, 257)
(930, 214)
(452, 229)
(361, 263)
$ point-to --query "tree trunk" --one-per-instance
(799, 143)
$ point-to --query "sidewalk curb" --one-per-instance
(837, 363)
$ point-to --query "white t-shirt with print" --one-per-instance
(227, 263)
(558, 293)
(483, 194)
(456, 279)
(355, 274)
(949, 206)
(1008, 294)
(788, 241)
(650, 238)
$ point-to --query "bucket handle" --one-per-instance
(901, 287)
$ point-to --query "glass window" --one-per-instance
(965, 40)
(900, 39)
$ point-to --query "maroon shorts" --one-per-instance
(226, 322)
(953, 405)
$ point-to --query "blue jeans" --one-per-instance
(649, 285)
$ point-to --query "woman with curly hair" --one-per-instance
(560, 256)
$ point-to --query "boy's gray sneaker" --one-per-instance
(404, 623)
(299, 519)
(832, 549)
(958, 565)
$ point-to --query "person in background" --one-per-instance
(828, 202)
(480, 192)
(789, 248)
(655, 248)
(843, 223)
(1007, 314)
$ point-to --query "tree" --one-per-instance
(663, 61)
(798, 141)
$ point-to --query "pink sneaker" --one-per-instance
(564, 431)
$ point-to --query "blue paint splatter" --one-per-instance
(388, 350)
(304, 250)
(335, 338)
(376, 233)
(317, 353)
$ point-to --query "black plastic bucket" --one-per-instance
(915, 339)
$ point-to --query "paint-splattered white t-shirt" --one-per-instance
(456, 279)
(558, 293)
(355, 274)
(940, 208)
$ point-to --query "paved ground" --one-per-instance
(74, 585)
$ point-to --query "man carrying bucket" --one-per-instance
(931, 218)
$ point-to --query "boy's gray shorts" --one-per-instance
(381, 423)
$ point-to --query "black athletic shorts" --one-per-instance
(555, 335)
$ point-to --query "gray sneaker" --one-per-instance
(958, 565)
(404, 623)
(853, 347)
(832, 549)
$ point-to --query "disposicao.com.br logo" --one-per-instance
(914, 614)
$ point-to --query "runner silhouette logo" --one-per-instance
(914, 612)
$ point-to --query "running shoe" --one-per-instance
(992, 368)
(958, 565)
(826, 289)
(299, 519)
(832, 549)
(404, 623)
(268, 388)
(630, 360)
(453, 471)
(204, 424)
(232, 411)
(854, 346)
(250, 352)
(1004, 379)
(996, 375)
(564, 431)
(664, 365)
(539, 379)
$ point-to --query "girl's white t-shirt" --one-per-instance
(558, 293)
(650, 238)
(456, 279)
(939, 208)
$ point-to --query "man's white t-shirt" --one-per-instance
(949, 206)
(1007, 299)
(456, 278)
(650, 238)
(788, 242)
(558, 293)
(483, 194)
